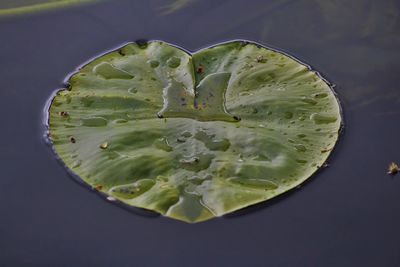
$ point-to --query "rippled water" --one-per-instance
(345, 216)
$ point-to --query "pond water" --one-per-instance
(347, 215)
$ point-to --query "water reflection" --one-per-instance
(357, 40)
(174, 6)
(353, 43)
(12, 7)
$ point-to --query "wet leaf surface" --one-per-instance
(154, 132)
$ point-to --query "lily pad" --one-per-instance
(194, 135)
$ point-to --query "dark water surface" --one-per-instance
(347, 215)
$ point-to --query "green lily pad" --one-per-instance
(194, 136)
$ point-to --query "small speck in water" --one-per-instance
(73, 140)
(393, 169)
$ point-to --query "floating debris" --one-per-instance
(73, 140)
(393, 169)
(110, 198)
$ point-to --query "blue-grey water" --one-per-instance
(347, 215)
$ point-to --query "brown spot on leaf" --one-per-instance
(64, 114)
(200, 69)
(104, 145)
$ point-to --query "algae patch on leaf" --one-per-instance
(194, 136)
